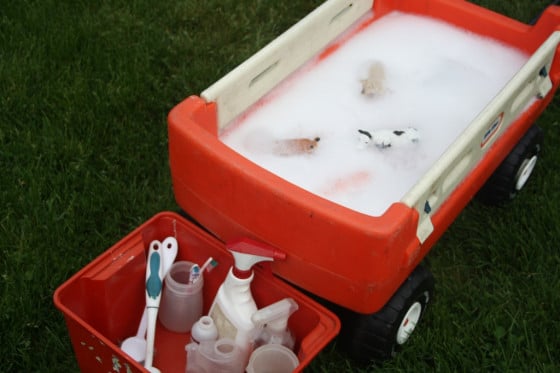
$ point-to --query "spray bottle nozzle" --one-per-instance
(247, 252)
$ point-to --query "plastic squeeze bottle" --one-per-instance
(234, 305)
(273, 323)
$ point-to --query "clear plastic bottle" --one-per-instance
(273, 323)
(181, 302)
(222, 356)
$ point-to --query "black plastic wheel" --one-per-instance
(379, 336)
(512, 174)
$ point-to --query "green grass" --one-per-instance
(85, 90)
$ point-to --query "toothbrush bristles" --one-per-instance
(209, 265)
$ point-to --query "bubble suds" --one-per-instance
(437, 78)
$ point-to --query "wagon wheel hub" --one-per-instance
(409, 323)
(525, 172)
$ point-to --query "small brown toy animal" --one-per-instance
(375, 83)
(295, 146)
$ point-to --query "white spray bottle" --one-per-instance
(234, 305)
(272, 322)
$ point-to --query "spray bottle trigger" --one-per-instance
(257, 248)
(246, 253)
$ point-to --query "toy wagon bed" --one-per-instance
(351, 258)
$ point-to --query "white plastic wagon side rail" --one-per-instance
(530, 82)
(248, 82)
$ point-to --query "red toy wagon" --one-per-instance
(365, 262)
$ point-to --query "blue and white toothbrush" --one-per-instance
(135, 346)
(154, 284)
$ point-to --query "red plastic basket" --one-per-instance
(102, 304)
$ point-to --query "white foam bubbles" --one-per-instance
(437, 79)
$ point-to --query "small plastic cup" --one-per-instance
(204, 330)
(181, 302)
(272, 358)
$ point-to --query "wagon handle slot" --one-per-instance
(341, 13)
(264, 72)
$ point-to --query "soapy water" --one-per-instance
(436, 79)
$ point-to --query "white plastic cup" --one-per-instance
(272, 358)
(181, 302)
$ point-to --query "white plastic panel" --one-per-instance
(248, 82)
(531, 82)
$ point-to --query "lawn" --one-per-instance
(85, 90)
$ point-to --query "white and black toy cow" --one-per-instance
(388, 138)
